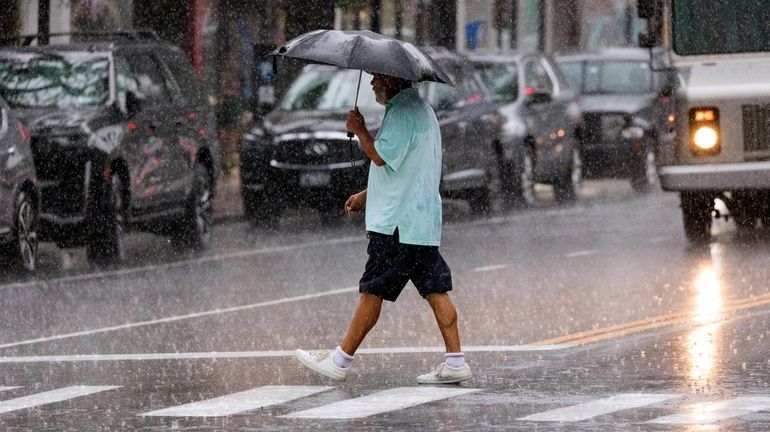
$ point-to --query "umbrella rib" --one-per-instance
(352, 50)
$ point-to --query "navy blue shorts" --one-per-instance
(392, 264)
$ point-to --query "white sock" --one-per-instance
(454, 359)
(341, 358)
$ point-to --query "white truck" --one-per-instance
(719, 141)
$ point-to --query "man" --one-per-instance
(403, 220)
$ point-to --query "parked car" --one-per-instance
(121, 137)
(19, 195)
(623, 116)
(539, 118)
(300, 155)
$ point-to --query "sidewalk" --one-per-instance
(227, 199)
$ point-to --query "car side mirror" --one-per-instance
(538, 97)
(133, 103)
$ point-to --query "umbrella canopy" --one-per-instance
(364, 50)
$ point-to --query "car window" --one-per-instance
(574, 73)
(183, 73)
(328, 89)
(3, 124)
(536, 77)
(44, 80)
(617, 77)
(501, 79)
(149, 78)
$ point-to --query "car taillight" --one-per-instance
(474, 98)
(23, 131)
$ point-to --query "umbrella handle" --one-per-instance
(358, 88)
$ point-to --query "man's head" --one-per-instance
(387, 86)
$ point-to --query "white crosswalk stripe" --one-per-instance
(239, 402)
(381, 402)
(52, 396)
(599, 407)
(708, 413)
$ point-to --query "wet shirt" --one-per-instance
(404, 193)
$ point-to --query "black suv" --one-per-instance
(122, 138)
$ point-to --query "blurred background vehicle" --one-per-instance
(19, 195)
(539, 120)
(623, 112)
(121, 139)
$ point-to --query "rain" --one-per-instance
(565, 206)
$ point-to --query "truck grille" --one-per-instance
(602, 127)
(62, 173)
(312, 152)
(756, 128)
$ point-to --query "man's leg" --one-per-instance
(366, 315)
(446, 317)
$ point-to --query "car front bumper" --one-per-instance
(716, 177)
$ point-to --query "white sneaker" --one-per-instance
(322, 363)
(445, 374)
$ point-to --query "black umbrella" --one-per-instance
(364, 50)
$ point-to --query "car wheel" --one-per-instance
(696, 215)
(22, 253)
(489, 197)
(194, 230)
(644, 177)
(522, 183)
(106, 244)
(260, 210)
(566, 189)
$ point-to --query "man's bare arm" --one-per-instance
(357, 125)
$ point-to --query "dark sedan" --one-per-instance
(623, 114)
(19, 195)
(539, 117)
(300, 155)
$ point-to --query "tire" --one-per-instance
(259, 209)
(194, 230)
(22, 252)
(489, 197)
(644, 176)
(696, 216)
(106, 244)
(521, 182)
(566, 189)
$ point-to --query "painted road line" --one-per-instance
(263, 354)
(181, 317)
(491, 267)
(6, 388)
(381, 402)
(599, 407)
(708, 413)
(624, 329)
(235, 403)
(49, 397)
(581, 253)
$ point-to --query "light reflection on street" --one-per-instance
(702, 342)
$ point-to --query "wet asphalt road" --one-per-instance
(594, 317)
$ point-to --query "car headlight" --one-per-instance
(633, 132)
(704, 131)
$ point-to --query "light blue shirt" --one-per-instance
(404, 193)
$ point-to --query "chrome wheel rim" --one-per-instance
(577, 171)
(204, 212)
(27, 235)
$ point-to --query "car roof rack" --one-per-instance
(134, 35)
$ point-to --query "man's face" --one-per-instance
(383, 86)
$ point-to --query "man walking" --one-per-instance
(403, 223)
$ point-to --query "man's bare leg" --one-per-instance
(366, 315)
(446, 317)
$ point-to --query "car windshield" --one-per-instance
(721, 27)
(608, 76)
(325, 88)
(501, 79)
(44, 80)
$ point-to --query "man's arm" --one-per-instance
(357, 125)
(356, 202)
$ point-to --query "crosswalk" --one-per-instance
(402, 398)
